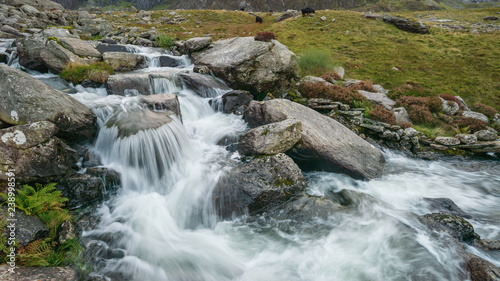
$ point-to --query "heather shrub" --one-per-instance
(331, 76)
(449, 97)
(420, 114)
(433, 104)
(381, 114)
(265, 36)
(405, 125)
(484, 109)
(332, 92)
(365, 86)
(473, 125)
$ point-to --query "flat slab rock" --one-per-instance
(24, 273)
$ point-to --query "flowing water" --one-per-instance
(163, 223)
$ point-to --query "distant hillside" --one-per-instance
(277, 5)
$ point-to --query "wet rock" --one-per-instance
(235, 99)
(28, 50)
(79, 47)
(134, 120)
(120, 84)
(110, 177)
(448, 141)
(307, 208)
(406, 25)
(171, 61)
(123, 62)
(201, 84)
(401, 115)
(271, 139)
(56, 57)
(34, 153)
(475, 115)
(481, 270)
(161, 102)
(59, 84)
(378, 98)
(24, 273)
(486, 135)
(467, 138)
(31, 100)
(196, 44)
(271, 64)
(90, 159)
(325, 145)
(446, 205)
(288, 14)
(257, 186)
(454, 225)
(28, 228)
(490, 245)
(104, 48)
(81, 189)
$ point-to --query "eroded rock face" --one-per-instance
(246, 64)
(34, 153)
(258, 185)
(325, 144)
(24, 99)
(271, 139)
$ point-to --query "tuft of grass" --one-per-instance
(97, 72)
(165, 41)
(315, 62)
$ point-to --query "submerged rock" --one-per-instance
(454, 225)
(202, 84)
(25, 99)
(246, 64)
(481, 270)
(258, 185)
(446, 205)
(326, 145)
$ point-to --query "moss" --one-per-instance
(97, 72)
(52, 38)
(279, 182)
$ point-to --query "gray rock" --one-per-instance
(123, 62)
(34, 153)
(271, 139)
(196, 44)
(454, 225)
(406, 25)
(29, 10)
(202, 84)
(90, 159)
(467, 138)
(233, 100)
(134, 120)
(401, 115)
(250, 65)
(486, 135)
(162, 102)
(31, 100)
(42, 5)
(143, 42)
(446, 205)
(28, 50)
(11, 30)
(28, 228)
(450, 107)
(56, 57)
(374, 128)
(462, 103)
(58, 32)
(288, 14)
(475, 115)
(24, 273)
(65, 232)
(481, 270)
(81, 189)
(109, 177)
(257, 186)
(306, 208)
(120, 84)
(325, 144)
(171, 61)
(350, 82)
(79, 47)
(103, 48)
(378, 98)
(411, 132)
(448, 141)
(340, 71)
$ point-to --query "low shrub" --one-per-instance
(449, 97)
(471, 125)
(165, 41)
(409, 89)
(381, 114)
(265, 36)
(332, 92)
(331, 77)
(420, 114)
(484, 109)
(405, 125)
(97, 72)
(433, 104)
(365, 86)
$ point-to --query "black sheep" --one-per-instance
(259, 19)
(307, 11)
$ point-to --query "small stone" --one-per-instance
(467, 138)
(438, 147)
(448, 141)
(411, 132)
(486, 135)
(323, 18)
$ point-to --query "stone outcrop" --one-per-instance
(122, 62)
(79, 47)
(271, 139)
(24, 99)
(406, 24)
(325, 144)
(258, 185)
(246, 64)
(288, 14)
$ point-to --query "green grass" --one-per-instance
(315, 62)
(165, 41)
(97, 72)
(443, 62)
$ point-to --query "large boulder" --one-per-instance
(34, 153)
(131, 121)
(325, 144)
(28, 50)
(406, 24)
(121, 61)
(257, 186)
(196, 44)
(24, 99)
(56, 57)
(79, 47)
(271, 139)
(81, 189)
(475, 115)
(246, 64)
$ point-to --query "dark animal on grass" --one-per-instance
(259, 19)
(307, 11)
(242, 9)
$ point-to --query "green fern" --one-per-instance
(34, 201)
(35, 253)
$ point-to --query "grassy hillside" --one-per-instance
(465, 63)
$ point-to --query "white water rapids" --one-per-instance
(164, 221)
